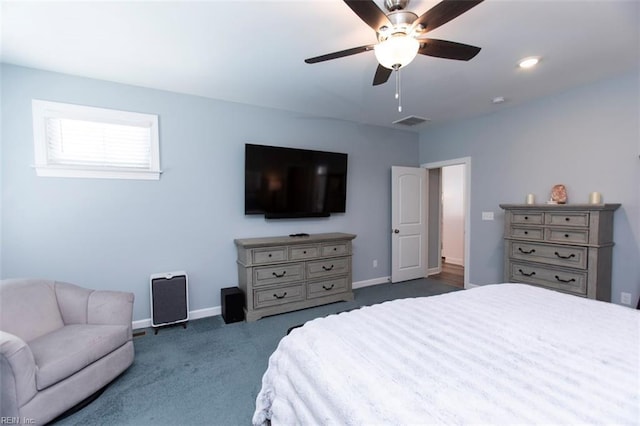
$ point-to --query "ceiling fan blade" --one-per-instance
(444, 12)
(447, 49)
(369, 12)
(382, 75)
(340, 54)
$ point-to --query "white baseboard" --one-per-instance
(193, 315)
(373, 281)
(454, 261)
(434, 271)
(206, 312)
(217, 310)
(144, 323)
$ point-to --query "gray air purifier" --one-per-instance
(169, 299)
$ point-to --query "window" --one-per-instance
(81, 141)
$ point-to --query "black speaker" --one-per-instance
(232, 299)
(169, 298)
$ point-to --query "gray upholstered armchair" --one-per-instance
(59, 344)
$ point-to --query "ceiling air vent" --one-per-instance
(411, 120)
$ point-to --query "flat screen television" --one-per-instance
(290, 183)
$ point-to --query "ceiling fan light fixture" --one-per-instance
(529, 62)
(396, 51)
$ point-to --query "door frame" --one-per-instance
(467, 210)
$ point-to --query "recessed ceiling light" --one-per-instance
(529, 62)
(498, 100)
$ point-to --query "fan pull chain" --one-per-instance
(398, 90)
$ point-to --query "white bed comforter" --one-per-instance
(498, 354)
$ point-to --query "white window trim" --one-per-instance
(43, 110)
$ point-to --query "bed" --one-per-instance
(495, 354)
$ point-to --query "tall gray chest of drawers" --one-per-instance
(565, 247)
(282, 274)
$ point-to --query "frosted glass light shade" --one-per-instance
(529, 62)
(396, 50)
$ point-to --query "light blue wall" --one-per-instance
(112, 234)
(587, 138)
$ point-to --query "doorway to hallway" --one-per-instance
(449, 184)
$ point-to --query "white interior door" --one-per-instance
(408, 223)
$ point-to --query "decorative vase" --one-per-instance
(559, 194)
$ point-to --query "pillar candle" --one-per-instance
(595, 198)
(531, 199)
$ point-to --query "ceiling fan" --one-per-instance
(400, 34)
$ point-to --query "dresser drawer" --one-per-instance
(335, 249)
(559, 279)
(529, 233)
(326, 287)
(269, 255)
(303, 252)
(328, 267)
(564, 235)
(266, 275)
(278, 296)
(534, 218)
(567, 218)
(568, 256)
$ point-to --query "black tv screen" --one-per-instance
(288, 182)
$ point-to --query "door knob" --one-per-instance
(396, 231)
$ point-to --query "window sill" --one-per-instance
(96, 173)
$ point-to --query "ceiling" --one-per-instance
(253, 52)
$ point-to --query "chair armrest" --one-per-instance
(110, 307)
(17, 374)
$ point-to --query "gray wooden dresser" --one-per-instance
(282, 274)
(565, 247)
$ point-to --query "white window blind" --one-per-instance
(80, 141)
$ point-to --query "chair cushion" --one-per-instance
(69, 349)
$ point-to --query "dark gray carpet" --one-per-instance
(210, 373)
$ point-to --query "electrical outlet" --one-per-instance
(625, 298)
(375, 263)
(487, 215)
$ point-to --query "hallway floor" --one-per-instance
(451, 274)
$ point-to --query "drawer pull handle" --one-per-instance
(567, 219)
(328, 288)
(280, 297)
(527, 275)
(527, 252)
(280, 275)
(566, 235)
(270, 255)
(327, 269)
(565, 281)
(526, 218)
(526, 232)
(335, 249)
(572, 255)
